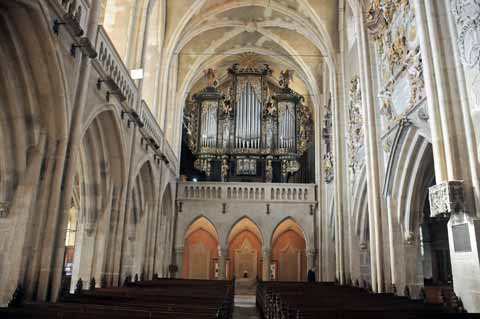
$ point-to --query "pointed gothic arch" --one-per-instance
(200, 252)
(289, 246)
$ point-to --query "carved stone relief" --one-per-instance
(467, 18)
(327, 138)
(391, 24)
(447, 198)
(355, 127)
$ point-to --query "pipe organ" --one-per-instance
(248, 128)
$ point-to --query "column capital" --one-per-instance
(222, 252)
(447, 198)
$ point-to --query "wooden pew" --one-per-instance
(162, 298)
(300, 300)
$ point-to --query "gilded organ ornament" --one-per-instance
(257, 131)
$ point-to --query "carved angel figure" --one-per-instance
(227, 108)
(270, 109)
(415, 78)
(285, 78)
(386, 108)
(210, 76)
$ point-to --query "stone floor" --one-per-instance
(245, 307)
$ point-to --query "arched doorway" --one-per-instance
(434, 248)
(289, 252)
(244, 251)
(200, 258)
(420, 255)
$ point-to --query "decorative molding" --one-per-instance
(392, 26)
(467, 18)
(447, 198)
(409, 237)
(354, 127)
(328, 165)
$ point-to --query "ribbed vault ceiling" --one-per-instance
(286, 34)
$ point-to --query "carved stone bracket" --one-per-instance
(89, 228)
(409, 237)
(224, 208)
(179, 206)
(447, 198)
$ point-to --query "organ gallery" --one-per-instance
(248, 128)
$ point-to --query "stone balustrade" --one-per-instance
(118, 79)
(117, 75)
(78, 9)
(170, 154)
(261, 192)
(150, 124)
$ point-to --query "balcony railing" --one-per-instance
(170, 155)
(77, 9)
(119, 79)
(263, 192)
(151, 127)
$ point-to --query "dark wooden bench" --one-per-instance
(300, 300)
(161, 298)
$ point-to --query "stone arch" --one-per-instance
(298, 228)
(34, 119)
(200, 250)
(101, 174)
(289, 251)
(192, 25)
(166, 231)
(244, 242)
(254, 224)
(409, 176)
(207, 220)
(360, 207)
(140, 222)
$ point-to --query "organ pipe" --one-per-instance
(259, 128)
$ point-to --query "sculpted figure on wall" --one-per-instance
(355, 126)
(327, 138)
(391, 24)
(415, 79)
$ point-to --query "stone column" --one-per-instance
(179, 261)
(50, 279)
(311, 254)
(371, 154)
(266, 255)
(441, 24)
(222, 263)
(83, 256)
